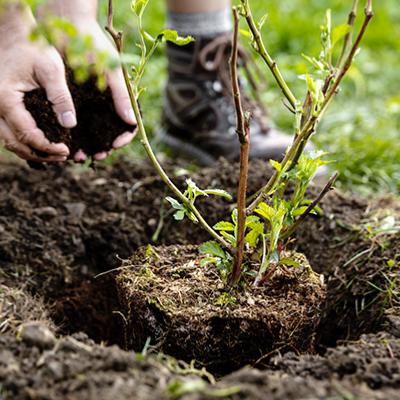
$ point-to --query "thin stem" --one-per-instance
(243, 132)
(310, 126)
(259, 46)
(349, 36)
(117, 37)
(327, 188)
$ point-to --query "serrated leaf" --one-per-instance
(212, 248)
(174, 203)
(219, 192)
(172, 36)
(265, 211)
(224, 226)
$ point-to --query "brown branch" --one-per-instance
(243, 132)
(327, 188)
(116, 36)
(132, 92)
(349, 36)
(310, 126)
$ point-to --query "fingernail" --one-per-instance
(101, 156)
(61, 159)
(123, 140)
(80, 156)
(68, 119)
(130, 116)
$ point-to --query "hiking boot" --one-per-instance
(199, 119)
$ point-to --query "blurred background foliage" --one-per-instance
(361, 129)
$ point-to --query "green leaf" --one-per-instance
(138, 6)
(212, 248)
(224, 226)
(262, 21)
(265, 211)
(172, 36)
(179, 215)
(252, 237)
(299, 211)
(208, 261)
(290, 262)
(219, 192)
(276, 165)
(339, 32)
(230, 238)
(174, 203)
(246, 33)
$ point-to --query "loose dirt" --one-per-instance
(61, 227)
(98, 123)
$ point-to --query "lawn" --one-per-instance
(361, 130)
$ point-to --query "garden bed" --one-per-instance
(60, 228)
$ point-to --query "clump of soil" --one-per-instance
(187, 311)
(98, 123)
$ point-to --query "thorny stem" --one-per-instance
(327, 188)
(117, 37)
(310, 126)
(243, 132)
(259, 46)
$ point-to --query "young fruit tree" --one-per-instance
(250, 245)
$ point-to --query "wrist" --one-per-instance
(16, 23)
(76, 11)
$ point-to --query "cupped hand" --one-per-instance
(115, 81)
(26, 66)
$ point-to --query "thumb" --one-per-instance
(51, 77)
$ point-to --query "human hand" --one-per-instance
(83, 16)
(27, 66)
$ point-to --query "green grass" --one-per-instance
(361, 129)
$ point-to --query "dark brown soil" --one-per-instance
(59, 228)
(98, 122)
(186, 311)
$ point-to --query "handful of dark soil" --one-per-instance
(98, 123)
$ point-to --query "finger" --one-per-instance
(123, 139)
(51, 76)
(80, 156)
(101, 156)
(122, 103)
(26, 131)
(21, 150)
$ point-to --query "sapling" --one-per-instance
(260, 225)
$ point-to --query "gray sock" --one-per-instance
(204, 25)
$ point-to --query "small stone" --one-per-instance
(76, 210)
(152, 222)
(46, 212)
(37, 334)
(100, 182)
